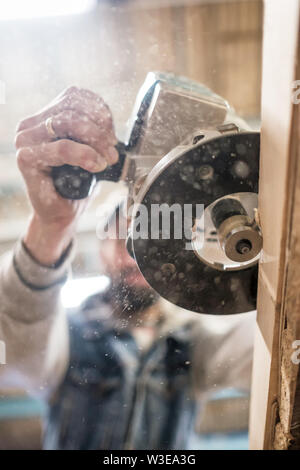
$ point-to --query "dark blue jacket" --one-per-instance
(113, 397)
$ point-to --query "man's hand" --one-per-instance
(85, 137)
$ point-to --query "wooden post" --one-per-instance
(274, 385)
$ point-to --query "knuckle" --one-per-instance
(75, 125)
(79, 92)
(107, 115)
(85, 93)
(71, 90)
(63, 147)
(89, 153)
(105, 119)
(87, 157)
(70, 115)
(108, 119)
(62, 116)
(64, 121)
(99, 101)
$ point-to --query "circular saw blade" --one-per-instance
(175, 272)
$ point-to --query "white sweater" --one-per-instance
(33, 326)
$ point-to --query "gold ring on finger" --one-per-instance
(49, 127)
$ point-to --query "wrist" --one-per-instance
(47, 242)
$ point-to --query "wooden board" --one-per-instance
(274, 374)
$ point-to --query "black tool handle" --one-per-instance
(72, 182)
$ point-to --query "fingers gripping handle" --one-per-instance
(73, 182)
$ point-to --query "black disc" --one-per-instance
(176, 273)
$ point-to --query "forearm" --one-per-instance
(32, 322)
(47, 242)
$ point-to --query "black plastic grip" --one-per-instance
(72, 182)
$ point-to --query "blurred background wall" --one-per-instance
(110, 49)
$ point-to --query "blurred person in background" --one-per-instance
(128, 370)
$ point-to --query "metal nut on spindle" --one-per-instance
(240, 239)
(238, 235)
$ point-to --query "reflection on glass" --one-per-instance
(103, 361)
